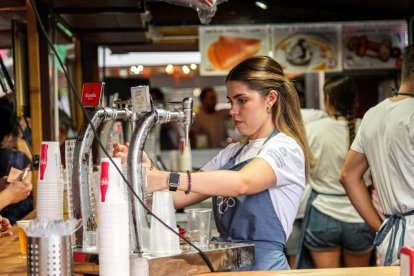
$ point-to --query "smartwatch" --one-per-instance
(174, 181)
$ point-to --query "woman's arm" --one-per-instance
(255, 177)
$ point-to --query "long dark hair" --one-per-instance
(263, 74)
(342, 97)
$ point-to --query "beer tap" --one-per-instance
(82, 205)
(135, 172)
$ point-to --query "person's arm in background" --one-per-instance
(352, 179)
(5, 227)
(16, 191)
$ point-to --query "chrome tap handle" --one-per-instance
(188, 117)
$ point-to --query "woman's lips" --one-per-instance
(236, 123)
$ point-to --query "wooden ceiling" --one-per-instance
(139, 25)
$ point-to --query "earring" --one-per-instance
(268, 109)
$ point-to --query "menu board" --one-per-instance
(373, 44)
(223, 47)
(301, 48)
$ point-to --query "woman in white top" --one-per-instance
(256, 186)
(334, 230)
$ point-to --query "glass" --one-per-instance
(22, 227)
(198, 226)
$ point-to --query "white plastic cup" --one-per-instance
(49, 200)
(184, 156)
(163, 241)
(49, 167)
(112, 187)
(198, 226)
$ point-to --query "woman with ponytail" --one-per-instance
(334, 232)
(256, 184)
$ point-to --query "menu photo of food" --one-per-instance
(222, 49)
(373, 45)
(369, 51)
(227, 52)
(307, 53)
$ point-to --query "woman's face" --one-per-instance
(249, 110)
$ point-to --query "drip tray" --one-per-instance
(222, 255)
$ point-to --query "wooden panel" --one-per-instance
(34, 89)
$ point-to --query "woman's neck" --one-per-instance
(264, 133)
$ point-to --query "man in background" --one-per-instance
(209, 127)
(385, 144)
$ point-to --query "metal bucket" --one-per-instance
(49, 256)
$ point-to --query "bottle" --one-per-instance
(184, 156)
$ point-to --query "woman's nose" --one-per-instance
(233, 110)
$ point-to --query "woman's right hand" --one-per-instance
(121, 151)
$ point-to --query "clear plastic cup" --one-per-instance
(198, 226)
(22, 227)
(162, 241)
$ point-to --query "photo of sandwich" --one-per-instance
(227, 52)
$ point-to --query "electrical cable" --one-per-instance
(73, 90)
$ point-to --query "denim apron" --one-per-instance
(251, 219)
(392, 224)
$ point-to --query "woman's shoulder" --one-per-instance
(282, 140)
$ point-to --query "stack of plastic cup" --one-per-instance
(139, 266)
(50, 183)
(113, 222)
(162, 240)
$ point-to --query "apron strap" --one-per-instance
(393, 220)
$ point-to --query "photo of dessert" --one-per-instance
(312, 52)
(227, 52)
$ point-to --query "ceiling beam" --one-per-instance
(110, 30)
(102, 10)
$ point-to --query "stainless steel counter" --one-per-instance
(223, 257)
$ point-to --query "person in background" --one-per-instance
(249, 206)
(333, 231)
(308, 114)
(169, 135)
(209, 126)
(16, 199)
(293, 242)
(385, 144)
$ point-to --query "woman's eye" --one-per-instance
(242, 101)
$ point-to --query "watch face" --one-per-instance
(174, 178)
(174, 181)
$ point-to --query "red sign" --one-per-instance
(43, 160)
(104, 180)
(91, 94)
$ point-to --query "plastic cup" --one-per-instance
(162, 241)
(49, 164)
(22, 227)
(198, 226)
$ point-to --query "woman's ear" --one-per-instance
(272, 97)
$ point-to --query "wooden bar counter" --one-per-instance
(14, 264)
